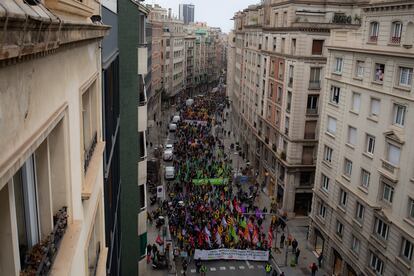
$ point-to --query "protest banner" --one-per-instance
(231, 254)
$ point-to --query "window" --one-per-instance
(141, 194)
(370, 144)
(312, 104)
(279, 95)
(291, 70)
(356, 102)
(359, 69)
(280, 70)
(375, 107)
(355, 244)
(407, 249)
(339, 228)
(376, 264)
(142, 145)
(347, 167)
(94, 245)
(393, 154)
(89, 124)
(315, 78)
(331, 128)
(411, 208)
(322, 210)
(287, 125)
(271, 90)
(338, 65)
(325, 183)
(288, 101)
(396, 31)
(343, 198)
(388, 193)
(399, 114)
(335, 94)
(327, 155)
(373, 31)
(379, 72)
(317, 47)
(405, 76)
(381, 228)
(360, 209)
(365, 176)
(293, 49)
(352, 135)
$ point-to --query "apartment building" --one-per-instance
(189, 42)
(363, 209)
(133, 153)
(51, 161)
(110, 134)
(280, 61)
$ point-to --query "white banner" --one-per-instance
(231, 254)
(203, 123)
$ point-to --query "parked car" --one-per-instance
(168, 155)
(189, 102)
(169, 146)
(176, 119)
(172, 127)
(169, 172)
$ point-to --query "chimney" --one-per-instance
(169, 13)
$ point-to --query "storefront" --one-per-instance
(319, 242)
(337, 263)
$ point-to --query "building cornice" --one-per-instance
(378, 52)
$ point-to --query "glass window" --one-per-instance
(381, 228)
(376, 264)
(322, 210)
(360, 209)
(405, 76)
(355, 244)
(379, 72)
(365, 176)
(312, 104)
(343, 198)
(407, 249)
(356, 102)
(288, 101)
(315, 78)
(373, 31)
(317, 46)
(393, 154)
(411, 208)
(352, 135)
(359, 69)
(339, 228)
(375, 107)
(338, 65)
(396, 31)
(388, 193)
(335, 94)
(399, 114)
(347, 167)
(370, 147)
(328, 154)
(331, 128)
(325, 184)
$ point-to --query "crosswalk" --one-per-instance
(231, 267)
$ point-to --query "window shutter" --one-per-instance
(317, 46)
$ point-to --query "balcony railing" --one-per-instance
(315, 84)
(38, 261)
(395, 40)
(89, 153)
(373, 38)
(309, 135)
(311, 111)
(389, 170)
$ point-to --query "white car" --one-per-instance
(169, 172)
(169, 146)
(168, 155)
(176, 119)
(172, 127)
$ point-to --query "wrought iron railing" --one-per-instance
(88, 153)
(38, 261)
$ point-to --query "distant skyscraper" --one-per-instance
(187, 13)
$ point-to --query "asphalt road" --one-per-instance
(230, 268)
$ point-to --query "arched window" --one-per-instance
(396, 31)
(409, 35)
(373, 31)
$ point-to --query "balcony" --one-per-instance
(142, 59)
(310, 135)
(40, 258)
(373, 38)
(287, 131)
(311, 111)
(396, 40)
(142, 173)
(314, 85)
(389, 170)
(142, 106)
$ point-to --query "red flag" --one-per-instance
(159, 240)
(270, 236)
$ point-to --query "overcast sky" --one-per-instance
(216, 13)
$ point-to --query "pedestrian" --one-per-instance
(282, 274)
(294, 245)
(154, 251)
(297, 253)
(320, 258)
(314, 268)
(185, 266)
(198, 265)
(203, 270)
(149, 249)
(274, 273)
(268, 268)
(282, 240)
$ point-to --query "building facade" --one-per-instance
(186, 13)
(279, 64)
(363, 207)
(51, 163)
(110, 127)
(133, 60)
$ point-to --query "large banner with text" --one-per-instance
(231, 254)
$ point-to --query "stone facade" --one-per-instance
(362, 213)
